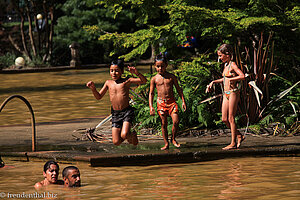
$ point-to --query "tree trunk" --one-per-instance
(37, 27)
(51, 31)
(15, 45)
(25, 51)
(45, 57)
(30, 31)
(23, 37)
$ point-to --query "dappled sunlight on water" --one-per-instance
(54, 95)
(244, 178)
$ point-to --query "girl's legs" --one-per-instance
(225, 111)
(164, 130)
(232, 107)
(235, 100)
(116, 136)
(225, 119)
(175, 119)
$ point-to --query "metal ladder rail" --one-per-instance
(33, 136)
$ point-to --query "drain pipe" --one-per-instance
(33, 136)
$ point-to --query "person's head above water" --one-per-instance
(50, 173)
(51, 170)
(49, 163)
(71, 176)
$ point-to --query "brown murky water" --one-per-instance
(54, 96)
(244, 178)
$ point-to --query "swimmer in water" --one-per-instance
(51, 171)
(71, 176)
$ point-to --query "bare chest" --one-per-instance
(119, 88)
(163, 82)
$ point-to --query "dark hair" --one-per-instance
(226, 49)
(161, 57)
(65, 172)
(119, 63)
(48, 163)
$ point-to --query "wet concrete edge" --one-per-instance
(155, 159)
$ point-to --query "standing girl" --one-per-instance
(231, 76)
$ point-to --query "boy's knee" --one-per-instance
(164, 122)
(124, 136)
(117, 142)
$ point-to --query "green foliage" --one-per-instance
(255, 128)
(7, 60)
(80, 16)
(140, 97)
(165, 25)
(294, 16)
(172, 21)
(193, 78)
(37, 62)
(279, 99)
(284, 106)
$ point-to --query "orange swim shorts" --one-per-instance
(166, 105)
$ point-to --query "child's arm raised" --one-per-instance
(97, 95)
(141, 78)
(151, 96)
(179, 91)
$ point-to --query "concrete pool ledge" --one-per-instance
(185, 157)
(55, 141)
(114, 160)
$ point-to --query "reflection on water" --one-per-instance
(245, 178)
(54, 95)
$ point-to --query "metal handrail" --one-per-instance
(33, 136)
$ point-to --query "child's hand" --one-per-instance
(132, 70)
(152, 111)
(208, 87)
(91, 85)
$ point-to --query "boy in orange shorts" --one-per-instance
(166, 104)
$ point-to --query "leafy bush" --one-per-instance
(7, 60)
(193, 78)
(284, 105)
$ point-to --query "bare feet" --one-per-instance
(175, 143)
(229, 147)
(132, 138)
(240, 139)
(135, 139)
(165, 147)
(129, 138)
